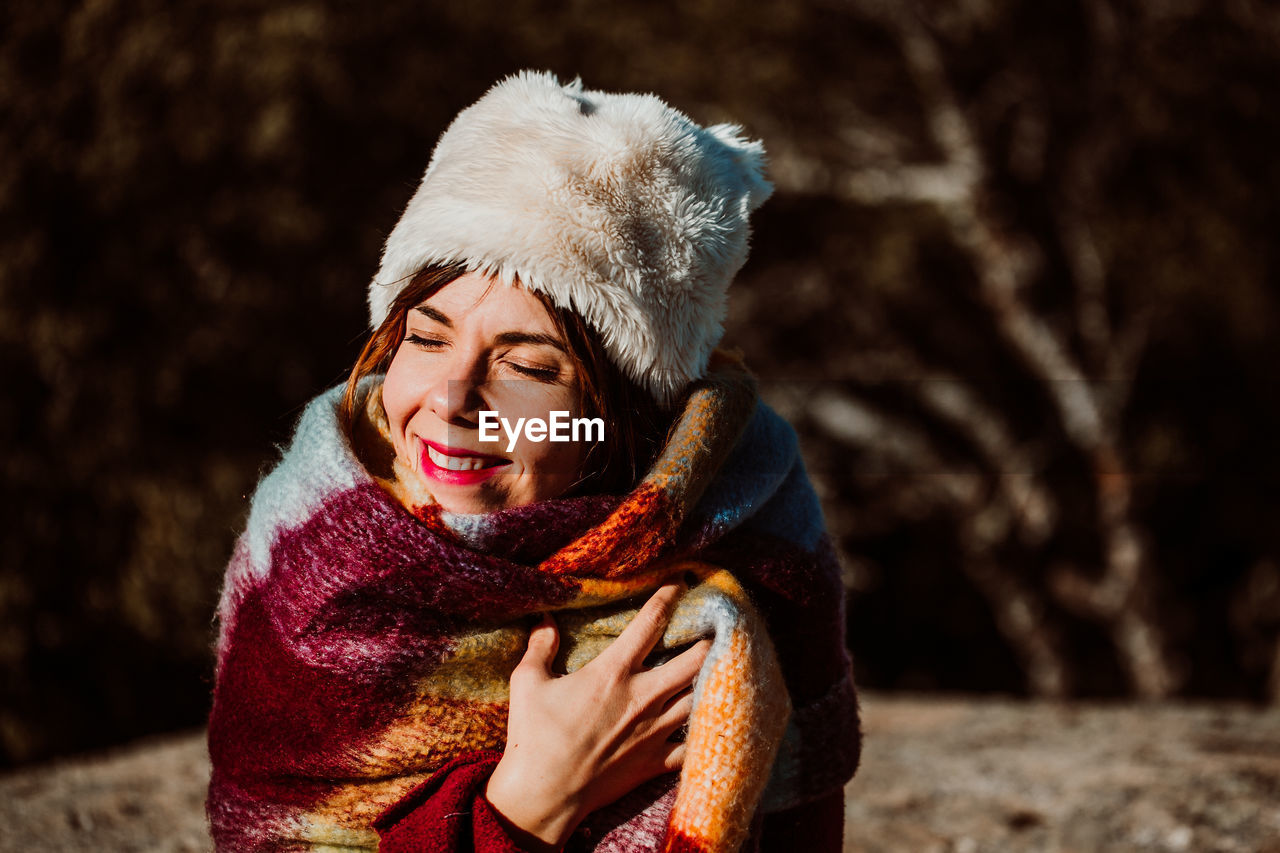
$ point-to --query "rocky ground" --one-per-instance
(938, 774)
(145, 797)
(977, 775)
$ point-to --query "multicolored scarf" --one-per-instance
(367, 637)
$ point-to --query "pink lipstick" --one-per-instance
(456, 466)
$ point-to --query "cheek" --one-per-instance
(551, 465)
(550, 459)
(547, 469)
(401, 395)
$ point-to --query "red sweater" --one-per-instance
(448, 813)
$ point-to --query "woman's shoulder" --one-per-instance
(317, 463)
(763, 481)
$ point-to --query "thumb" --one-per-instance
(544, 641)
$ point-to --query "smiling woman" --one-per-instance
(630, 640)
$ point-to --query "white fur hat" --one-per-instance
(616, 206)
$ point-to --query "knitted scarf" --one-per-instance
(367, 637)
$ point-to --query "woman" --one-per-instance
(437, 635)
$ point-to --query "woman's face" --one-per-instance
(480, 345)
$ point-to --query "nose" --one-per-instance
(454, 396)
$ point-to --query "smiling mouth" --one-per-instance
(457, 466)
(464, 463)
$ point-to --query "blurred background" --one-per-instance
(1017, 290)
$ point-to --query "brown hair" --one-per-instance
(635, 425)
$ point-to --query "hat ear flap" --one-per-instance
(751, 162)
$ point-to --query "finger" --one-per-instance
(646, 629)
(672, 757)
(544, 642)
(676, 715)
(663, 682)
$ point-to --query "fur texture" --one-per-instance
(616, 206)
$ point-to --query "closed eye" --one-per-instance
(419, 340)
(545, 373)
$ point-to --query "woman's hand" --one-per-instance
(580, 741)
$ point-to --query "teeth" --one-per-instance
(455, 463)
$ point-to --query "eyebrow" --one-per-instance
(530, 338)
(505, 337)
(424, 308)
